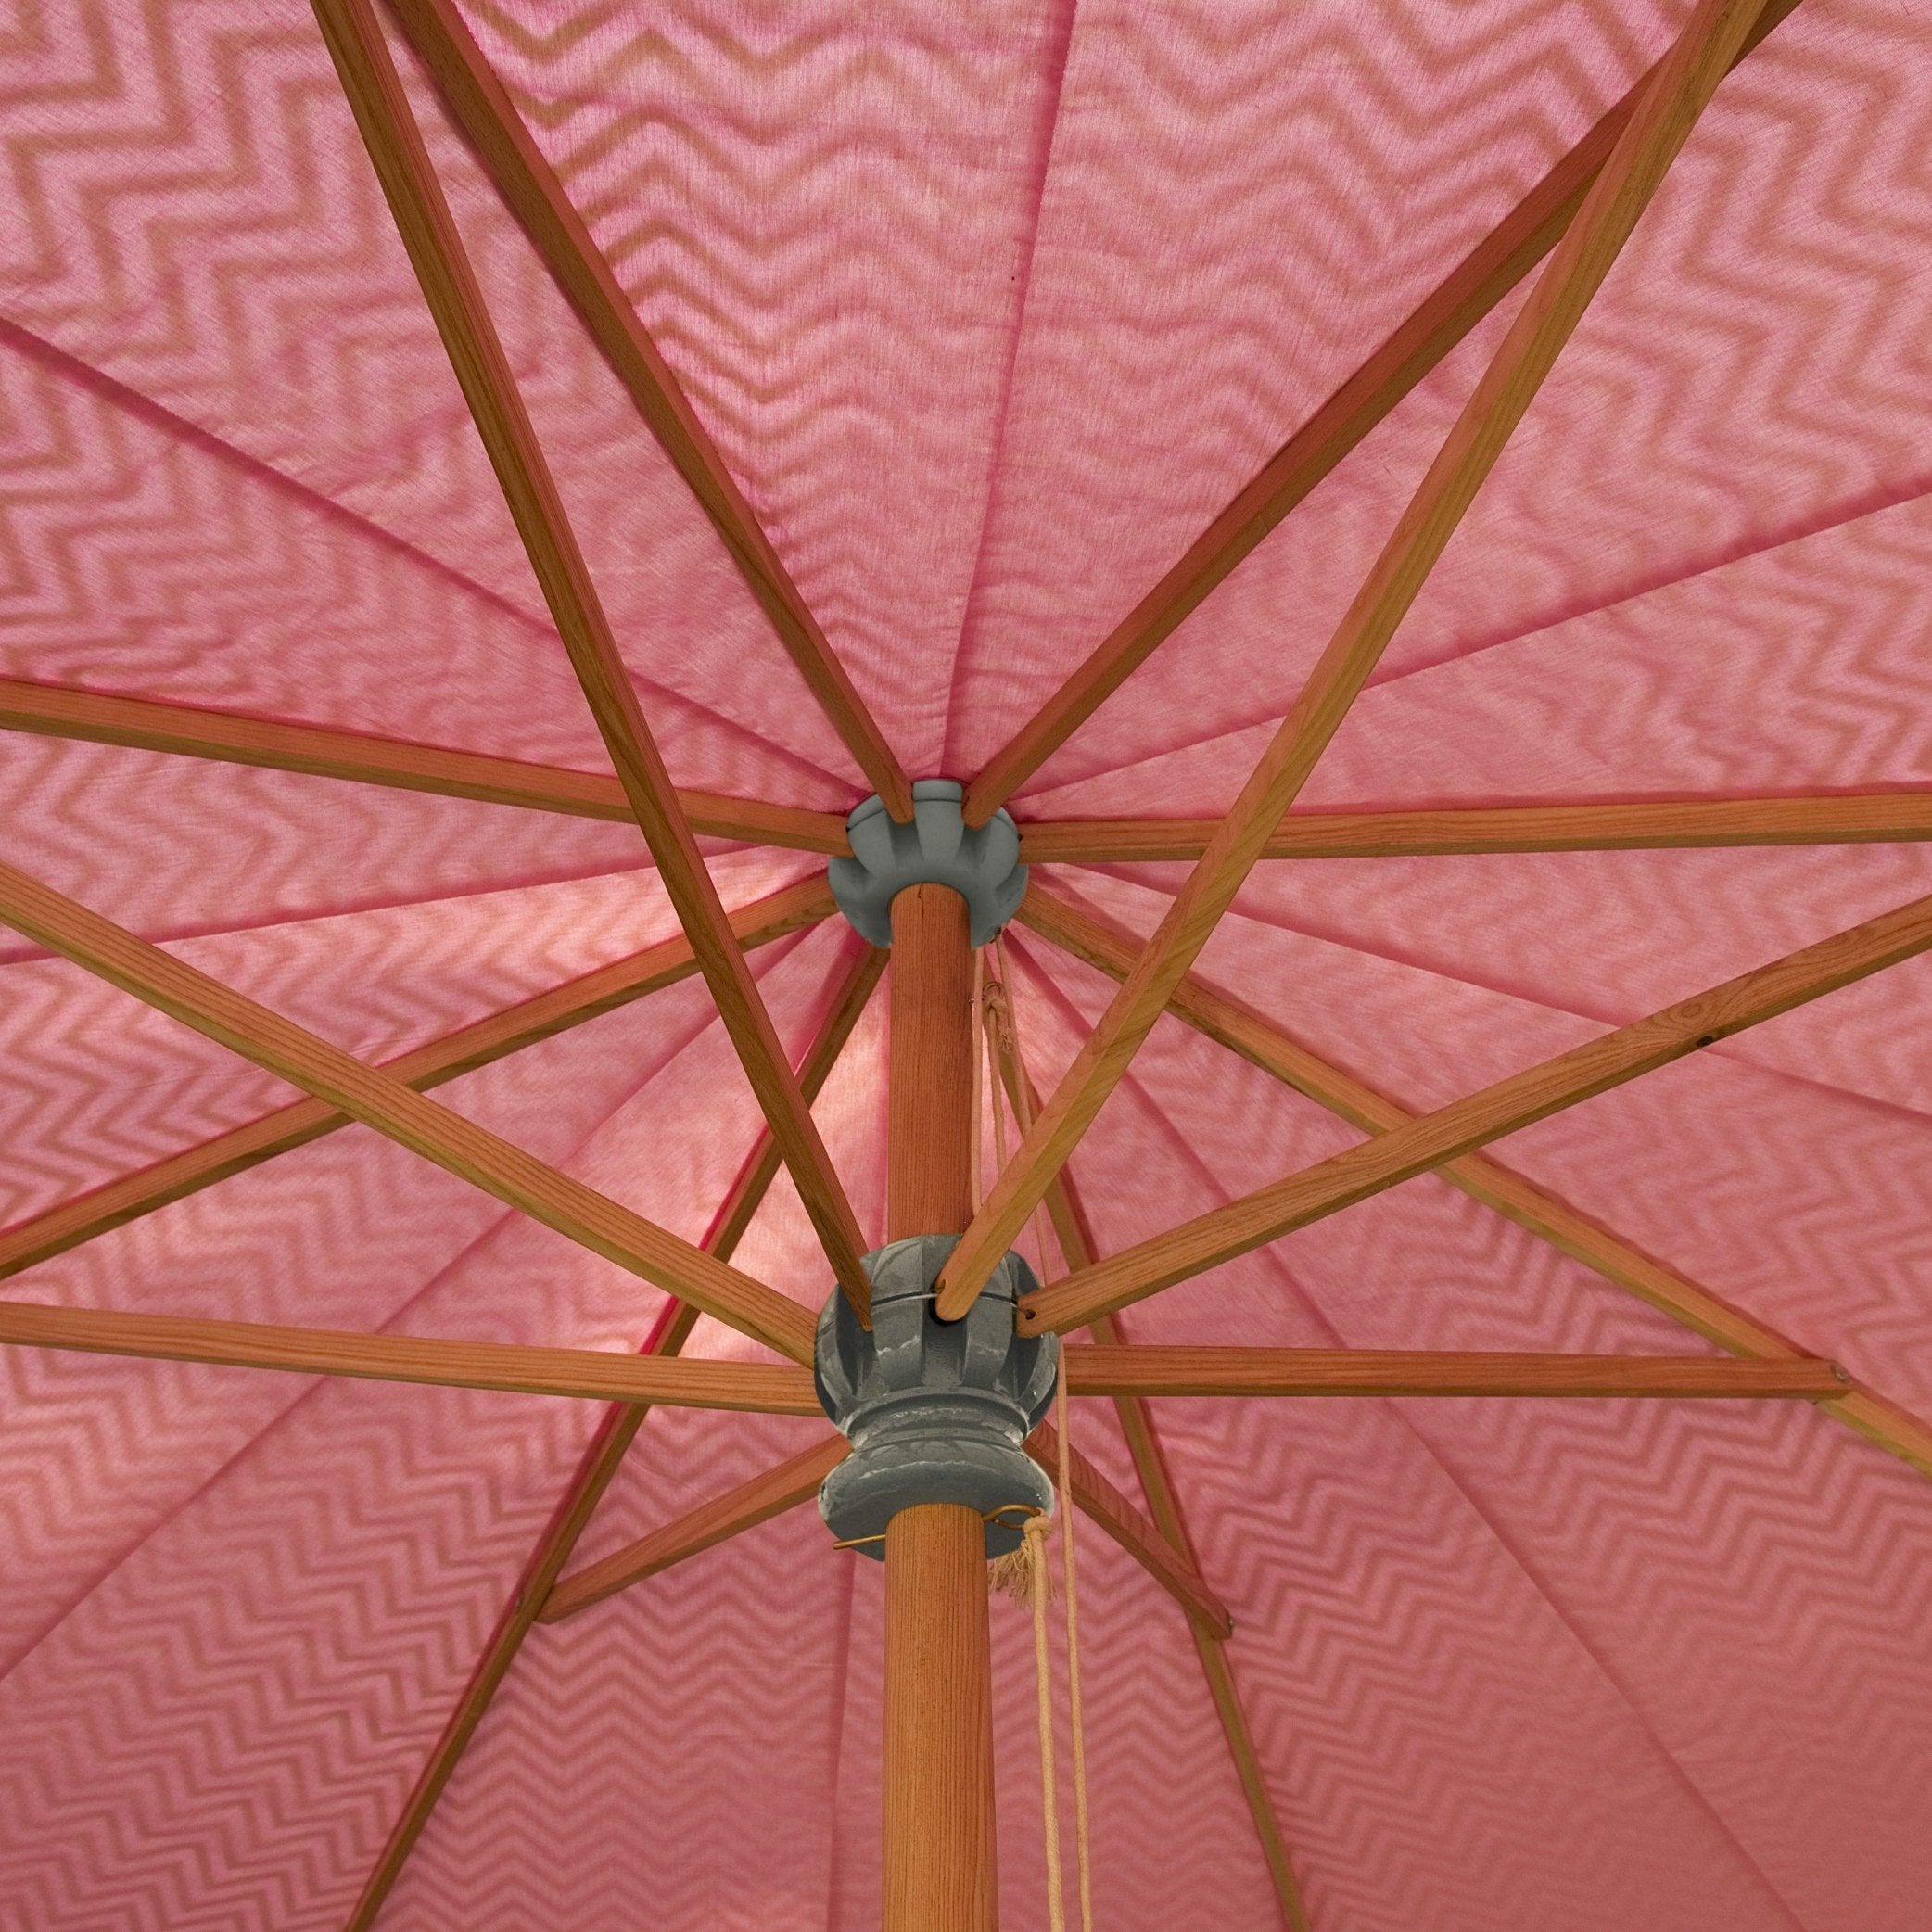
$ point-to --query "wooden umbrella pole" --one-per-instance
(928, 1172)
(939, 1873)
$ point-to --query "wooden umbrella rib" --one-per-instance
(599, 1464)
(1161, 1545)
(481, 108)
(318, 751)
(1158, 1370)
(1429, 1139)
(767, 1494)
(541, 1017)
(1866, 818)
(796, 1480)
(1670, 102)
(594, 1471)
(1227, 1021)
(449, 285)
(1217, 1667)
(586, 1374)
(1212, 1646)
(1472, 290)
(1122, 1520)
(1074, 1233)
(380, 1101)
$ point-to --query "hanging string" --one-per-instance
(990, 1003)
(1034, 1542)
(1082, 1836)
(1015, 1574)
(1002, 1024)
(1024, 1575)
(1003, 1042)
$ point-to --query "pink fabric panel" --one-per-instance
(670, 1756)
(827, 234)
(1242, 202)
(1665, 1747)
(144, 1478)
(988, 312)
(262, 373)
(1740, 1165)
(176, 847)
(1616, 1489)
(1751, 376)
(709, 1741)
(103, 1085)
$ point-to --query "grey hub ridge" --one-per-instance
(935, 1411)
(980, 862)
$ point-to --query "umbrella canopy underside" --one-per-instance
(989, 311)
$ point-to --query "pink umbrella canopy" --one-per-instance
(1023, 394)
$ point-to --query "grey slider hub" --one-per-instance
(980, 862)
(935, 1412)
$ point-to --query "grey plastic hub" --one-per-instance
(935, 1412)
(980, 862)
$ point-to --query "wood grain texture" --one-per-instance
(767, 1494)
(758, 1500)
(937, 1827)
(1258, 1040)
(1663, 118)
(482, 108)
(853, 995)
(380, 1099)
(1228, 1021)
(596, 1468)
(1870, 817)
(1128, 1526)
(129, 1197)
(599, 1464)
(233, 738)
(1078, 1248)
(1431, 1139)
(415, 199)
(939, 1856)
(1149, 1460)
(1477, 282)
(765, 1389)
(930, 1116)
(1218, 1668)
(1156, 1370)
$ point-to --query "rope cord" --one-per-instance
(1001, 1024)
(992, 1012)
(1036, 1535)
(1002, 1028)
(1082, 1835)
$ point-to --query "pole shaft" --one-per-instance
(929, 1175)
(937, 1834)
(939, 1870)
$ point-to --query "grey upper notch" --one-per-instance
(980, 862)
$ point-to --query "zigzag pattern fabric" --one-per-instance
(989, 311)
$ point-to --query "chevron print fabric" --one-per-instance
(988, 312)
